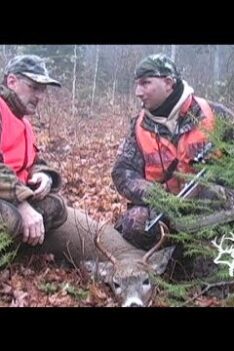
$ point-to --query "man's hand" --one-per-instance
(33, 226)
(44, 183)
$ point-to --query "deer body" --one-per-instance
(125, 269)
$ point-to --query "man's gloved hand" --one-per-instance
(44, 183)
(32, 224)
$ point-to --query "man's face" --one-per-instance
(153, 91)
(28, 91)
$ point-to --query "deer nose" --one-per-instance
(135, 305)
(133, 301)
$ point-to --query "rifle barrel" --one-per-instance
(183, 193)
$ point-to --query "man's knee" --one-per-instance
(53, 210)
(132, 227)
(10, 218)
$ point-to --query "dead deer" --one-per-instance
(128, 274)
(126, 269)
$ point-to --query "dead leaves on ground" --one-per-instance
(85, 162)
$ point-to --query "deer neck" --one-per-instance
(112, 240)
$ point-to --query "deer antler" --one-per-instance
(222, 251)
(163, 228)
(219, 246)
(102, 249)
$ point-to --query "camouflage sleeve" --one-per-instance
(41, 166)
(15, 191)
(128, 171)
(221, 110)
(11, 188)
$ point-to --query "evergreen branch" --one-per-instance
(201, 222)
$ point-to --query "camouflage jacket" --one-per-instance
(11, 188)
(128, 173)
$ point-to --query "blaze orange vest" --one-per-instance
(17, 142)
(184, 152)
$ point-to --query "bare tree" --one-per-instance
(173, 52)
(116, 68)
(95, 76)
(216, 63)
(74, 82)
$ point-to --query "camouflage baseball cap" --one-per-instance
(158, 65)
(31, 66)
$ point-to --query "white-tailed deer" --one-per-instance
(126, 269)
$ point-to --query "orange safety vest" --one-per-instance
(184, 152)
(17, 142)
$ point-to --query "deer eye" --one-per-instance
(116, 285)
(146, 281)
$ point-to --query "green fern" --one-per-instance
(7, 255)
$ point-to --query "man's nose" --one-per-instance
(139, 91)
(40, 94)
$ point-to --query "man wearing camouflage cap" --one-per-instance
(29, 206)
(163, 138)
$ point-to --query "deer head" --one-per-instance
(129, 276)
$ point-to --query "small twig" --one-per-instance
(70, 259)
(208, 287)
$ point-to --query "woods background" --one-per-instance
(79, 128)
(100, 77)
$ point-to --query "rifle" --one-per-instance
(183, 194)
(186, 191)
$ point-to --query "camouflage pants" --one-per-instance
(52, 208)
(132, 227)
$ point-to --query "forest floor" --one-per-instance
(85, 159)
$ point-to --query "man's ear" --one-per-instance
(11, 80)
(99, 270)
(159, 260)
(170, 82)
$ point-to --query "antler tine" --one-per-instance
(102, 249)
(231, 237)
(163, 228)
(219, 246)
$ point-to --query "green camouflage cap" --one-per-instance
(31, 66)
(158, 65)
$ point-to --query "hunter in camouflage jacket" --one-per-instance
(128, 175)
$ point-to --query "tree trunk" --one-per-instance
(95, 77)
(173, 52)
(74, 82)
(216, 64)
(114, 82)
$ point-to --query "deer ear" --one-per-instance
(101, 270)
(159, 260)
